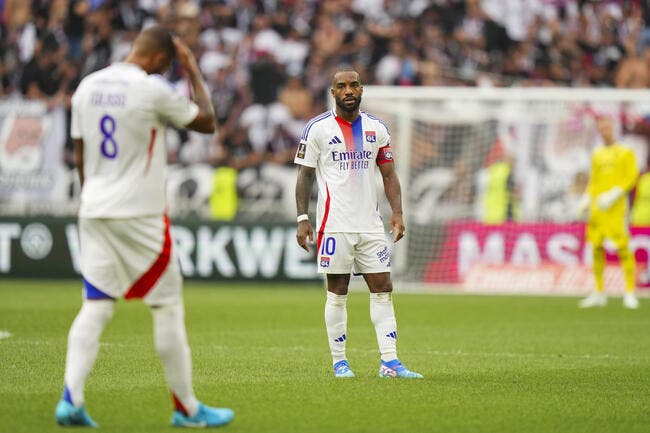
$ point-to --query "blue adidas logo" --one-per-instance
(335, 140)
(392, 334)
(341, 339)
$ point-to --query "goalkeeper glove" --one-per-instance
(607, 199)
(583, 205)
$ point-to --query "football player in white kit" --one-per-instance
(344, 147)
(118, 125)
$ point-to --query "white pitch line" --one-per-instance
(4, 334)
(532, 355)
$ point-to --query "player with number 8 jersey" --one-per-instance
(119, 115)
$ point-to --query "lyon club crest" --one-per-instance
(371, 137)
(21, 143)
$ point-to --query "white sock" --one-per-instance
(382, 316)
(336, 322)
(83, 345)
(171, 343)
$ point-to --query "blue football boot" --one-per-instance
(342, 369)
(205, 417)
(396, 369)
(68, 415)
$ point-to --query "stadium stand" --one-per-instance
(268, 63)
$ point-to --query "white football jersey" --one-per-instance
(120, 112)
(346, 156)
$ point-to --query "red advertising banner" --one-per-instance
(533, 258)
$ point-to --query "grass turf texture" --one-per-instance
(491, 364)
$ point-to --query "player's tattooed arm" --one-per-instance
(79, 158)
(393, 193)
(304, 182)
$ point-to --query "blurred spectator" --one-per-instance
(328, 37)
(97, 45)
(318, 71)
(298, 99)
(76, 26)
(42, 77)
(128, 16)
(397, 67)
(266, 114)
(293, 52)
(237, 152)
(229, 97)
(633, 72)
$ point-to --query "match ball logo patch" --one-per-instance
(302, 148)
(324, 262)
(371, 137)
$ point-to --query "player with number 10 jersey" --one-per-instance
(346, 156)
(345, 149)
(121, 113)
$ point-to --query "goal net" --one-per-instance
(490, 183)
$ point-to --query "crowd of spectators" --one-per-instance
(268, 62)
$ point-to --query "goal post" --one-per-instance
(490, 182)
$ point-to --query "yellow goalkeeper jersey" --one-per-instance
(613, 165)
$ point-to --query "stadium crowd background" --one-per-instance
(268, 63)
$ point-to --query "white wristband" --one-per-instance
(303, 217)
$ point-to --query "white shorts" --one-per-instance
(131, 258)
(363, 253)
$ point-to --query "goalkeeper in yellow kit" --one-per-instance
(614, 173)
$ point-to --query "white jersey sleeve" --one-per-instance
(172, 106)
(383, 138)
(308, 149)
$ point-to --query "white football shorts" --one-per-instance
(131, 258)
(362, 253)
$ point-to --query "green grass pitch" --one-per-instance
(491, 364)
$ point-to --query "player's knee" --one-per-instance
(90, 322)
(338, 290)
(169, 328)
(169, 341)
(383, 286)
(168, 313)
(101, 311)
(167, 345)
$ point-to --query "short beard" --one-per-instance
(342, 106)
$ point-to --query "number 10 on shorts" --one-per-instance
(328, 247)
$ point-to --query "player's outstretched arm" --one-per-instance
(305, 232)
(393, 192)
(204, 121)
